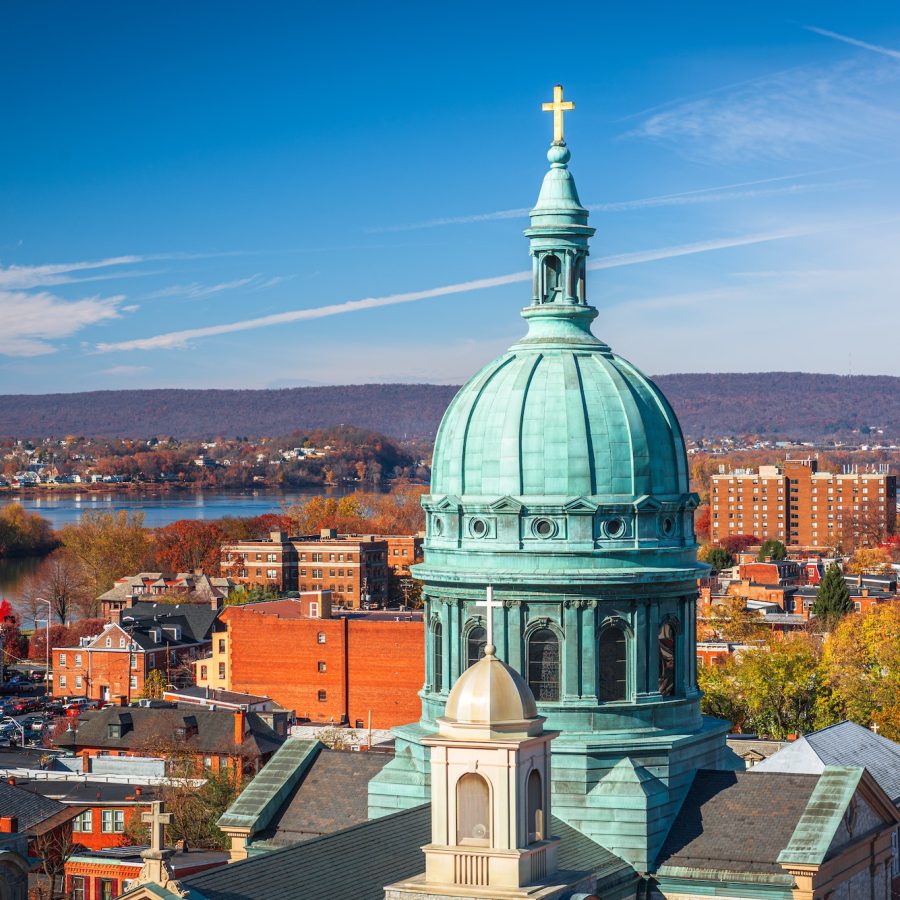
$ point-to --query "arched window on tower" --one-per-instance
(613, 664)
(668, 648)
(473, 810)
(580, 286)
(475, 644)
(535, 800)
(543, 665)
(437, 655)
(552, 277)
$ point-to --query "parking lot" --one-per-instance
(27, 713)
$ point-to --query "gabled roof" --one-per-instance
(90, 793)
(196, 619)
(36, 814)
(148, 727)
(843, 744)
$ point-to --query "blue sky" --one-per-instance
(268, 195)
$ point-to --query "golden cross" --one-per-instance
(558, 107)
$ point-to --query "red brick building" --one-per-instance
(95, 875)
(357, 569)
(116, 663)
(211, 740)
(802, 507)
(339, 669)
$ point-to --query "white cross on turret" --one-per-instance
(489, 606)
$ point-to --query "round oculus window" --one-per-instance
(615, 528)
(668, 526)
(437, 526)
(478, 528)
(543, 528)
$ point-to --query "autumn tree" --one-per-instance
(870, 561)
(61, 580)
(730, 620)
(108, 546)
(771, 549)
(154, 685)
(775, 690)
(702, 522)
(832, 601)
(738, 543)
(862, 668)
(23, 533)
(188, 545)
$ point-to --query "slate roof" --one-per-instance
(196, 619)
(87, 792)
(357, 863)
(843, 744)
(736, 822)
(36, 814)
(214, 735)
(318, 806)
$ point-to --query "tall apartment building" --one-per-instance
(802, 507)
(354, 567)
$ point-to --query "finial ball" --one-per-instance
(490, 650)
(558, 154)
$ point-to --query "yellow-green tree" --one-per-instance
(730, 620)
(861, 664)
(775, 690)
(870, 561)
(154, 685)
(108, 545)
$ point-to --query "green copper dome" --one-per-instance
(546, 420)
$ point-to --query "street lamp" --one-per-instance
(47, 648)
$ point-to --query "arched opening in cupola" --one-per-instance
(437, 655)
(473, 810)
(552, 266)
(668, 658)
(535, 807)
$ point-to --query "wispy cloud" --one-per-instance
(716, 194)
(30, 321)
(197, 291)
(124, 371)
(838, 109)
(179, 339)
(26, 277)
(854, 42)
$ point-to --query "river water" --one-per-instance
(158, 509)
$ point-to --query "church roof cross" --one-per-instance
(157, 819)
(558, 107)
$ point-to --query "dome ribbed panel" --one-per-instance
(545, 443)
(610, 442)
(482, 459)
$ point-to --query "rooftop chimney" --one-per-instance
(240, 720)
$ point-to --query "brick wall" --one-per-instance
(285, 659)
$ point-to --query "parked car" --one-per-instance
(26, 705)
(53, 708)
(73, 710)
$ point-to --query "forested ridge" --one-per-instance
(772, 404)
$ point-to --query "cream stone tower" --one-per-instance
(490, 802)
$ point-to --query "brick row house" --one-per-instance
(191, 739)
(357, 569)
(113, 666)
(351, 667)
